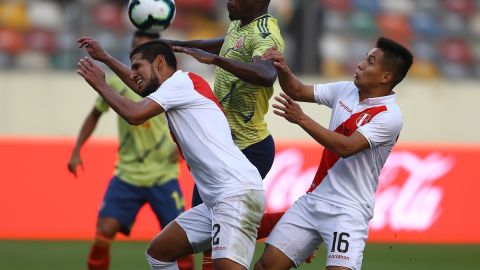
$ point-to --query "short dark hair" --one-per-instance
(151, 49)
(396, 58)
(139, 34)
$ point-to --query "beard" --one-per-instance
(152, 86)
(232, 17)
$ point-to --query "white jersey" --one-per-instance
(201, 130)
(351, 182)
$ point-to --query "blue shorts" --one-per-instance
(122, 201)
(260, 154)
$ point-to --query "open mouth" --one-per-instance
(139, 82)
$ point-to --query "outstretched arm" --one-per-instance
(288, 81)
(340, 144)
(135, 113)
(87, 128)
(257, 72)
(209, 45)
(95, 50)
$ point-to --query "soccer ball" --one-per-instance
(151, 16)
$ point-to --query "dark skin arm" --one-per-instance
(257, 72)
(208, 45)
(135, 113)
(290, 83)
(340, 144)
(87, 129)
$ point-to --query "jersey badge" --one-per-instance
(239, 43)
(362, 119)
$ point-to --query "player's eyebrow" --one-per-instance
(134, 66)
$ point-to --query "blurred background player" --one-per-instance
(364, 126)
(146, 172)
(243, 83)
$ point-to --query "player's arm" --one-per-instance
(288, 81)
(135, 113)
(209, 45)
(342, 145)
(257, 72)
(95, 50)
(86, 130)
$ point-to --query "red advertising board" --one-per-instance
(426, 194)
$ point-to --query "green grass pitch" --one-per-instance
(53, 255)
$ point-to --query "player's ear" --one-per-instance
(387, 77)
(159, 61)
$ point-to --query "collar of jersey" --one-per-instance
(379, 100)
(256, 19)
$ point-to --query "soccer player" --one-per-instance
(230, 186)
(146, 172)
(243, 83)
(364, 126)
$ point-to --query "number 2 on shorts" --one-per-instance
(215, 238)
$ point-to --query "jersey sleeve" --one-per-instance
(267, 35)
(101, 105)
(328, 93)
(172, 94)
(384, 128)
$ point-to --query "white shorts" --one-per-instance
(310, 221)
(229, 227)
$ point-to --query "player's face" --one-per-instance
(370, 72)
(144, 75)
(239, 9)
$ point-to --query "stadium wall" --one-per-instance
(427, 192)
(55, 104)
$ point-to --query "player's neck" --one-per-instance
(165, 74)
(373, 93)
(253, 16)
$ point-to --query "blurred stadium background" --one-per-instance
(427, 212)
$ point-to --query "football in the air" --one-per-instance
(151, 16)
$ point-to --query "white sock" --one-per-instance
(159, 265)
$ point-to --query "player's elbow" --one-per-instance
(267, 81)
(295, 95)
(134, 120)
(345, 151)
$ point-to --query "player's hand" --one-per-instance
(201, 55)
(91, 73)
(277, 57)
(288, 109)
(93, 47)
(73, 163)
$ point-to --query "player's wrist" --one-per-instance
(106, 58)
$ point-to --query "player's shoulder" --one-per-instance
(118, 85)
(185, 80)
(114, 81)
(390, 116)
(178, 78)
(341, 87)
(265, 26)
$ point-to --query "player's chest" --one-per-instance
(349, 115)
(235, 46)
